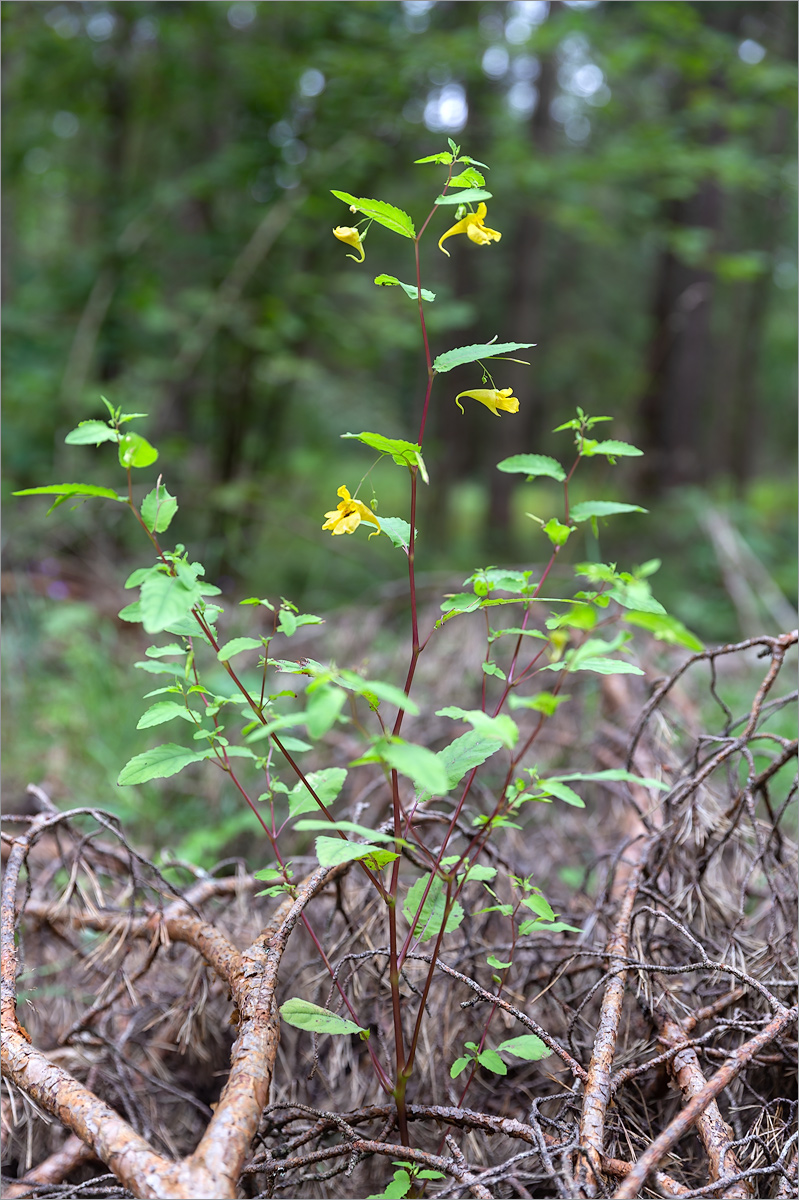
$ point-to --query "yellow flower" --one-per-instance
(352, 238)
(348, 515)
(492, 399)
(475, 228)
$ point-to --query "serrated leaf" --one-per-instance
(404, 453)
(332, 851)
(468, 751)
(429, 921)
(614, 449)
(323, 705)
(635, 594)
(160, 668)
(492, 1062)
(600, 508)
(408, 288)
(327, 784)
(469, 195)
(163, 651)
(66, 491)
(160, 763)
(379, 210)
(528, 1046)
(601, 666)
(665, 629)
(491, 668)
(397, 530)
(90, 433)
(467, 179)
(376, 835)
(466, 354)
(445, 158)
(165, 710)
(164, 601)
(532, 465)
(502, 728)
(238, 646)
(304, 1015)
(136, 451)
(424, 768)
(158, 508)
(540, 906)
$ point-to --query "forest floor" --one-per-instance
(143, 1056)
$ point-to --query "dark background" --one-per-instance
(167, 243)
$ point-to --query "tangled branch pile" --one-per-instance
(669, 1019)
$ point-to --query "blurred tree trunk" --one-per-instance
(679, 355)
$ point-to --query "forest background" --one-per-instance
(168, 243)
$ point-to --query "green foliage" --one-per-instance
(304, 1015)
(244, 722)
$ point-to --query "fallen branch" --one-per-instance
(635, 1181)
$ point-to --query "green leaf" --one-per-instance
(461, 603)
(324, 702)
(165, 710)
(528, 1046)
(332, 851)
(492, 1062)
(491, 668)
(614, 775)
(304, 1015)
(65, 491)
(136, 451)
(408, 288)
(458, 1067)
(636, 594)
(399, 1186)
(158, 508)
(502, 728)
(306, 826)
(429, 921)
(385, 214)
(532, 465)
(238, 646)
(397, 530)
(544, 702)
(405, 454)
(560, 791)
(162, 651)
(159, 668)
(613, 449)
(160, 763)
(424, 768)
(90, 433)
(493, 961)
(468, 751)
(376, 688)
(327, 784)
(445, 158)
(468, 196)
(164, 600)
(600, 665)
(467, 179)
(600, 508)
(540, 906)
(557, 532)
(665, 629)
(466, 354)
